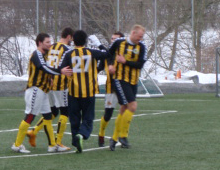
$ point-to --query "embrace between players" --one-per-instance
(64, 79)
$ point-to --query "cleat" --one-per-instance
(20, 149)
(32, 138)
(112, 144)
(101, 141)
(52, 149)
(79, 143)
(124, 143)
(62, 148)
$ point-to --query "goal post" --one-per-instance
(146, 86)
(217, 53)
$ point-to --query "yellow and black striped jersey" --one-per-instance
(83, 61)
(39, 73)
(135, 55)
(108, 85)
(54, 55)
(103, 65)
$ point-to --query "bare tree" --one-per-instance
(18, 18)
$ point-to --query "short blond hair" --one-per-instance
(137, 27)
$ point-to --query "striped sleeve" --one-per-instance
(40, 63)
(144, 51)
(65, 59)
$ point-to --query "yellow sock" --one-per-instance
(61, 128)
(48, 128)
(103, 125)
(22, 133)
(40, 125)
(125, 123)
(117, 127)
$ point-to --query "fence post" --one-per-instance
(217, 71)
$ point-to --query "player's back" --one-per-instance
(54, 55)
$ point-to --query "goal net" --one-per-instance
(146, 86)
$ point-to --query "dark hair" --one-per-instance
(67, 31)
(80, 38)
(41, 37)
(119, 33)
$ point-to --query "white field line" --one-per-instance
(187, 100)
(146, 114)
(102, 110)
(97, 120)
(177, 100)
(11, 109)
(56, 153)
(184, 100)
(85, 150)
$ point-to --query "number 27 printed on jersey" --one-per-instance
(81, 64)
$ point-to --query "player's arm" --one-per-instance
(65, 63)
(40, 63)
(135, 64)
(102, 47)
(94, 41)
(100, 54)
(112, 49)
(100, 65)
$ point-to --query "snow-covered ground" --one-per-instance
(170, 77)
(166, 77)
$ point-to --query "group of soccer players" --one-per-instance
(64, 79)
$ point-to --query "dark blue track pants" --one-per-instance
(81, 115)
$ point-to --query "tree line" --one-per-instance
(179, 34)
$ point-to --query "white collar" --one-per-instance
(129, 41)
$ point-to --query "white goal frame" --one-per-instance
(145, 78)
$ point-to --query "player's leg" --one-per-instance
(47, 122)
(33, 97)
(74, 113)
(87, 106)
(110, 103)
(119, 89)
(32, 134)
(48, 128)
(61, 101)
(62, 123)
(130, 93)
(24, 125)
(117, 128)
(127, 118)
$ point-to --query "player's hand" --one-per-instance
(94, 41)
(67, 71)
(111, 69)
(120, 59)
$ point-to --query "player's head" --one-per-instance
(116, 35)
(80, 38)
(43, 42)
(137, 33)
(67, 33)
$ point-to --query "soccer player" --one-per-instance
(58, 91)
(130, 56)
(83, 86)
(36, 97)
(110, 97)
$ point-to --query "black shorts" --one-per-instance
(125, 92)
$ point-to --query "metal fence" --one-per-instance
(160, 17)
